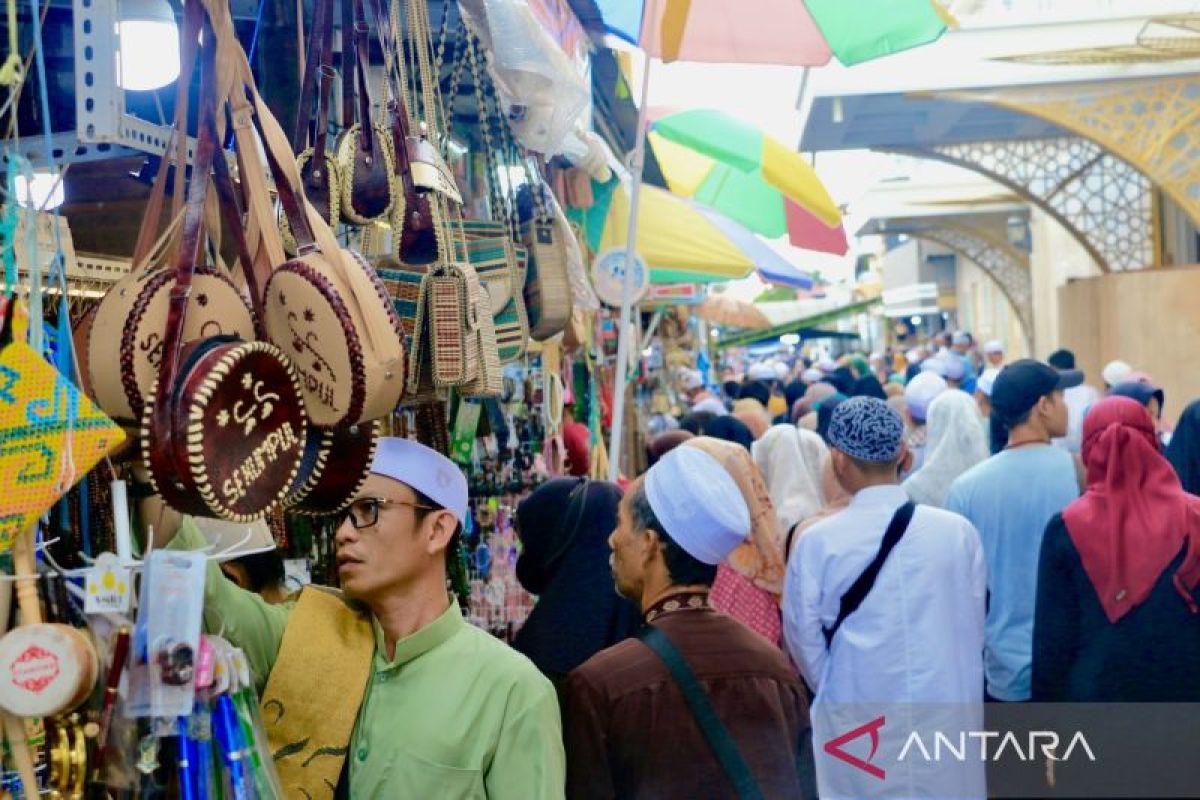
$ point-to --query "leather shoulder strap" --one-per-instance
(722, 744)
(858, 591)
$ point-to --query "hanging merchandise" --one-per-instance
(543, 93)
(225, 432)
(446, 313)
(365, 154)
(121, 342)
(320, 175)
(547, 288)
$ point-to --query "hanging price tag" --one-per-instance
(109, 589)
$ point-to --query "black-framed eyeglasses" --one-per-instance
(364, 512)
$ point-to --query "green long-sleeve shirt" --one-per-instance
(454, 714)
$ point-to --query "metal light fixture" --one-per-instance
(43, 190)
(149, 42)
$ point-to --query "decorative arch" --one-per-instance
(1101, 200)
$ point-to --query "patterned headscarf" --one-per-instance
(867, 429)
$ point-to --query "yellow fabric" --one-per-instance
(789, 172)
(684, 168)
(326, 652)
(672, 234)
(674, 23)
(51, 434)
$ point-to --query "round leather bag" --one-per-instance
(227, 441)
(125, 340)
(336, 464)
(46, 669)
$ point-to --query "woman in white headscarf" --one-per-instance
(790, 460)
(955, 443)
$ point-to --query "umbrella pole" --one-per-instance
(622, 367)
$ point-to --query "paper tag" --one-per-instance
(205, 664)
(109, 590)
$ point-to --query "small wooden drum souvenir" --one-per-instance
(46, 669)
(335, 466)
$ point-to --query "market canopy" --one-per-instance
(789, 32)
(804, 323)
(681, 241)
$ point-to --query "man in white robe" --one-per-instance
(909, 659)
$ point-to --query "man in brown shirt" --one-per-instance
(629, 730)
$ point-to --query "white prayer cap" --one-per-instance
(812, 375)
(692, 379)
(1116, 372)
(994, 346)
(234, 539)
(956, 368)
(781, 370)
(915, 355)
(986, 381)
(960, 337)
(827, 365)
(423, 469)
(698, 504)
(712, 405)
(921, 391)
(937, 365)
(761, 371)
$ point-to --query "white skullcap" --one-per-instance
(424, 470)
(915, 356)
(1116, 372)
(698, 503)
(960, 337)
(712, 405)
(956, 368)
(812, 375)
(234, 539)
(986, 381)
(781, 370)
(921, 391)
(692, 379)
(761, 372)
(994, 346)
(937, 365)
(827, 365)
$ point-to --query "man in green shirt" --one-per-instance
(437, 708)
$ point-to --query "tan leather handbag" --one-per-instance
(123, 348)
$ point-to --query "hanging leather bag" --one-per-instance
(320, 175)
(224, 434)
(366, 161)
(123, 347)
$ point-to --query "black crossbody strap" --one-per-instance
(705, 715)
(861, 587)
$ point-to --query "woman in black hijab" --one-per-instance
(731, 429)
(564, 528)
(843, 379)
(869, 386)
(1184, 450)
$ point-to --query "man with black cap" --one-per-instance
(883, 609)
(1010, 498)
(1079, 399)
(384, 689)
(632, 730)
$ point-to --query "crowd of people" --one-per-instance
(933, 528)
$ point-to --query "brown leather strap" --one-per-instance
(366, 135)
(325, 76)
(349, 59)
(308, 84)
(191, 245)
(232, 212)
(396, 107)
(149, 241)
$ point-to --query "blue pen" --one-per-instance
(187, 761)
(229, 737)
